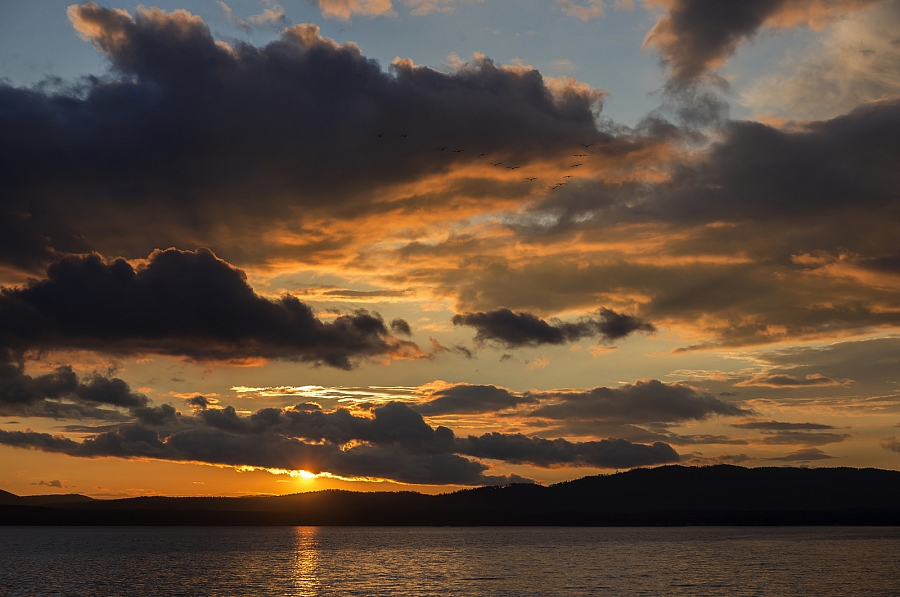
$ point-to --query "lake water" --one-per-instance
(331, 561)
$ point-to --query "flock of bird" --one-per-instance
(498, 164)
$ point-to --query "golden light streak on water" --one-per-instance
(305, 574)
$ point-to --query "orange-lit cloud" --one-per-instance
(280, 207)
(344, 9)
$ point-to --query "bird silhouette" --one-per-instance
(531, 179)
(443, 148)
(579, 155)
(575, 165)
(458, 150)
(380, 135)
(402, 136)
(586, 146)
(513, 167)
(567, 176)
(495, 164)
(481, 155)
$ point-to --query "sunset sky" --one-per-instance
(252, 247)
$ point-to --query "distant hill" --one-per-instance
(55, 498)
(670, 495)
(7, 498)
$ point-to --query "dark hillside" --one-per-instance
(671, 495)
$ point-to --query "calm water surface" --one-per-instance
(307, 561)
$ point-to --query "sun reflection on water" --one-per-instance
(305, 574)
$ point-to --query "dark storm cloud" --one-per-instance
(391, 424)
(181, 303)
(888, 264)
(394, 443)
(764, 173)
(200, 402)
(607, 453)
(812, 176)
(470, 399)
(158, 416)
(189, 440)
(516, 329)
(54, 409)
(873, 363)
(21, 245)
(643, 402)
(787, 191)
(400, 326)
(786, 202)
(781, 426)
(697, 36)
(188, 135)
(22, 394)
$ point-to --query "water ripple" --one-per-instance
(418, 562)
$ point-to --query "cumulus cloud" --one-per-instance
(748, 240)
(607, 453)
(873, 362)
(762, 172)
(61, 394)
(400, 326)
(516, 329)
(217, 447)
(393, 443)
(185, 303)
(728, 225)
(757, 233)
(597, 412)
(154, 141)
(470, 399)
(649, 401)
(23, 246)
(695, 37)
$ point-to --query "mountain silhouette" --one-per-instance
(669, 495)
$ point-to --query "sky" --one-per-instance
(261, 248)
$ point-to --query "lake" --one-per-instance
(518, 561)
